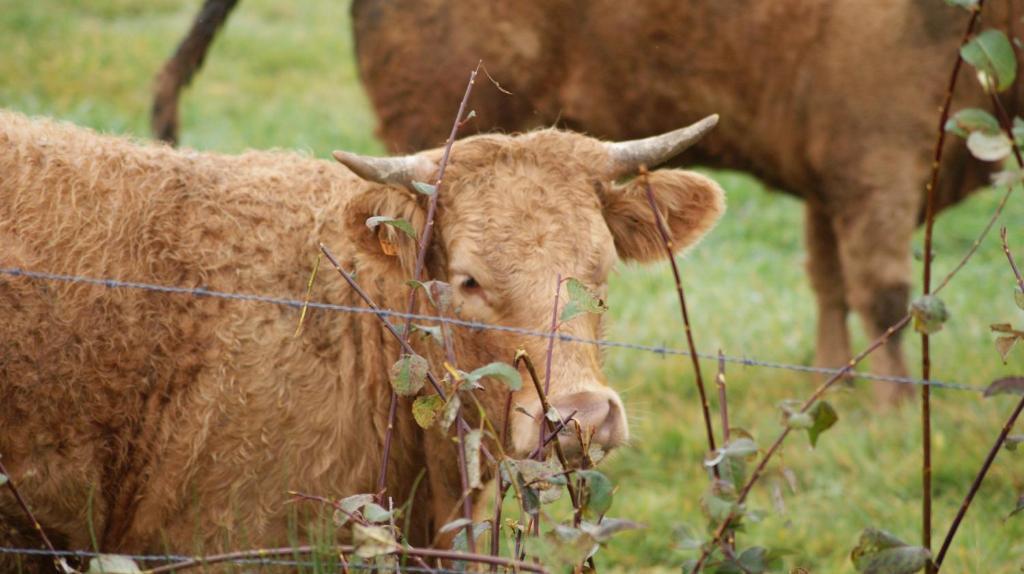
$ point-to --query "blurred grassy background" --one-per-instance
(282, 75)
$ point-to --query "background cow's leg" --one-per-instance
(826, 274)
(874, 232)
(186, 61)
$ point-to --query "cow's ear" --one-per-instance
(385, 243)
(690, 204)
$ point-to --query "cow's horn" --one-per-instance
(394, 170)
(627, 156)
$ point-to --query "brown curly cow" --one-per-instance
(832, 100)
(174, 422)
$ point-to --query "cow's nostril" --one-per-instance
(599, 414)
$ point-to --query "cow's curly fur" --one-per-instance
(170, 422)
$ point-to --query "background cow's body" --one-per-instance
(834, 101)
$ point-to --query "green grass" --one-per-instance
(282, 76)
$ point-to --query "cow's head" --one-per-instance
(514, 213)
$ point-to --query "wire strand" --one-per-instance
(299, 304)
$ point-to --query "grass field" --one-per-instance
(282, 76)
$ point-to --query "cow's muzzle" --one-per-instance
(599, 414)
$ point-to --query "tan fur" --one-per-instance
(183, 421)
(832, 100)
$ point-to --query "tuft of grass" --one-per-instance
(282, 75)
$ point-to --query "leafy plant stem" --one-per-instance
(763, 463)
(926, 420)
(421, 258)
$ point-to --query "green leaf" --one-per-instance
(799, 421)
(399, 224)
(992, 55)
(825, 417)
(438, 293)
(408, 374)
(967, 4)
(432, 331)
(989, 146)
(717, 508)
(373, 541)
(971, 120)
(455, 525)
(502, 371)
(879, 552)
(608, 527)
(581, 300)
(424, 188)
(3, 479)
(1013, 441)
(597, 493)
(376, 513)
(472, 452)
(1005, 385)
(929, 313)
(1019, 507)
(756, 560)
(350, 505)
(112, 564)
(426, 409)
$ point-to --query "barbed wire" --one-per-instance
(170, 558)
(111, 283)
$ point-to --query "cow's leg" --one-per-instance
(178, 71)
(826, 274)
(874, 236)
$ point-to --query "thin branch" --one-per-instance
(523, 357)
(1009, 257)
(977, 483)
(59, 563)
(926, 418)
(547, 362)
(666, 240)
(995, 447)
(451, 555)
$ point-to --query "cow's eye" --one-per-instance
(469, 284)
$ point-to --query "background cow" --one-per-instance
(162, 422)
(833, 101)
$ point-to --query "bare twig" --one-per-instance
(667, 242)
(514, 565)
(926, 418)
(59, 563)
(995, 447)
(551, 341)
(524, 358)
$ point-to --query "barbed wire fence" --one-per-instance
(114, 283)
